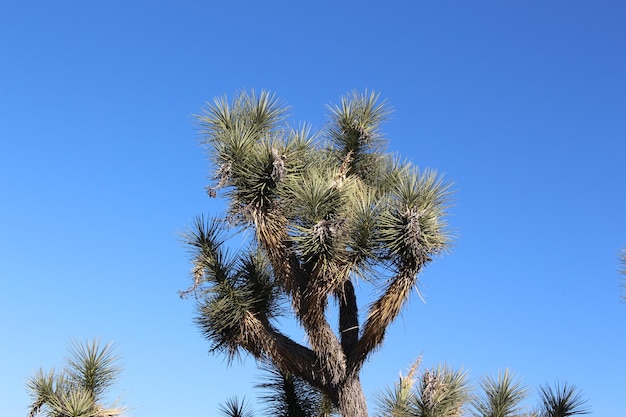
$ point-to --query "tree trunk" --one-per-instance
(350, 398)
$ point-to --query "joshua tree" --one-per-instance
(323, 210)
(77, 390)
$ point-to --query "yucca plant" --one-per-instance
(77, 390)
(561, 401)
(236, 408)
(500, 397)
(442, 392)
(397, 401)
(324, 210)
(436, 392)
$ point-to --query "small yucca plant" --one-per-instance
(562, 400)
(500, 397)
(78, 390)
(436, 392)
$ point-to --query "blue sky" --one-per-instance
(521, 104)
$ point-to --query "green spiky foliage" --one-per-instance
(283, 395)
(287, 396)
(397, 401)
(77, 390)
(437, 392)
(321, 211)
(562, 400)
(235, 408)
(442, 392)
(500, 397)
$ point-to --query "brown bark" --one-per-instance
(322, 339)
(348, 318)
(348, 397)
(264, 342)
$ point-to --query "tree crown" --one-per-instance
(323, 210)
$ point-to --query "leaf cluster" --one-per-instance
(443, 392)
(436, 392)
(78, 389)
(284, 395)
(346, 202)
(230, 288)
(288, 396)
(501, 396)
(562, 400)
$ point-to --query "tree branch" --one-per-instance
(264, 342)
(381, 314)
(322, 338)
(348, 317)
(308, 300)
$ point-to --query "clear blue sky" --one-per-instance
(522, 104)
